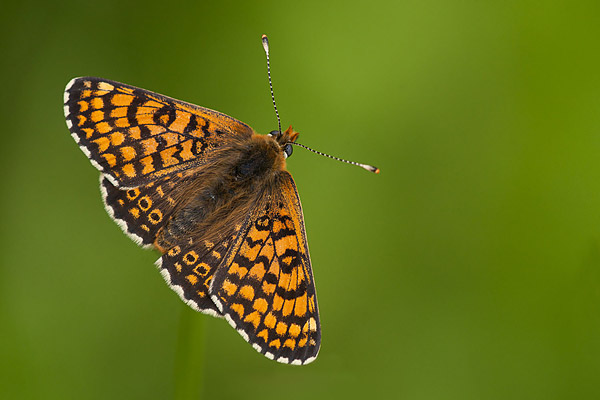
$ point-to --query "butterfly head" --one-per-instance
(284, 139)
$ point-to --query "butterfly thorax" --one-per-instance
(257, 159)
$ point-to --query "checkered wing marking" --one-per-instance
(142, 211)
(265, 286)
(135, 136)
(189, 270)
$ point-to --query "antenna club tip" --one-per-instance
(265, 43)
(264, 37)
(369, 168)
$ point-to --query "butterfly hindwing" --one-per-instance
(189, 270)
(141, 211)
(265, 286)
(134, 136)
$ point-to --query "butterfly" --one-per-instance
(215, 198)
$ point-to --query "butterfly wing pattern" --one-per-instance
(266, 291)
(194, 184)
(134, 136)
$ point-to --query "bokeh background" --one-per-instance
(468, 269)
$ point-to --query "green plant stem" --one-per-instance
(189, 356)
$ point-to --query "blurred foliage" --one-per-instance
(468, 269)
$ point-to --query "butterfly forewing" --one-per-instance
(135, 136)
(265, 286)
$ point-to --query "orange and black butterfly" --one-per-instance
(215, 199)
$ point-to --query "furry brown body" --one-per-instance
(210, 201)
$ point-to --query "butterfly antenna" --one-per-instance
(265, 42)
(365, 166)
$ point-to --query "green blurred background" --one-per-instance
(468, 269)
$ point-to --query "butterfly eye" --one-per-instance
(274, 133)
(287, 150)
